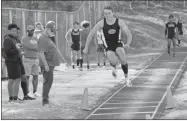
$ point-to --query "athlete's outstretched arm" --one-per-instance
(126, 30)
(96, 28)
(66, 36)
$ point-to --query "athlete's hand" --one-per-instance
(85, 51)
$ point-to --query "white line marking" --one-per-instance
(125, 85)
(122, 113)
(151, 86)
(165, 91)
(129, 107)
(135, 102)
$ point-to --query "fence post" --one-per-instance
(84, 10)
(45, 18)
(23, 18)
(67, 44)
(99, 11)
(10, 16)
(35, 17)
(94, 12)
(90, 15)
(57, 30)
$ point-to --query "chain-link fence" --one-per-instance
(89, 10)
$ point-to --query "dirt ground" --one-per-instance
(68, 87)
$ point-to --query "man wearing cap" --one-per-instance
(31, 60)
(49, 57)
(171, 33)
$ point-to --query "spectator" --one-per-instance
(38, 29)
(3, 66)
(31, 60)
(13, 62)
(50, 57)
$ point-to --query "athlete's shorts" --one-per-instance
(171, 37)
(180, 32)
(31, 66)
(114, 46)
(75, 47)
(100, 48)
(82, 48)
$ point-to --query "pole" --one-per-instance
(23, 18)
(10, 16)
(45, 18)
(57, 29)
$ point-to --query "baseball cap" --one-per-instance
(30, 27)
(51, 22)
(51, 26)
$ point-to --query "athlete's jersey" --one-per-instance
(111, 32)
(170, 29)
(75, 35)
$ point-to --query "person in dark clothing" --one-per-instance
(84, 34)
(180, 30)
(49, 58)
(13, 62)
(75, 43)
(171, 33)
(114, 47)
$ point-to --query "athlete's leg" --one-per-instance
(99, 57)
(87, 61)
(120, 51)
(104, 57)
(179, 40)
(174, 45)
(169, 45)
(79, 58)
(112, 58)
(73, 58)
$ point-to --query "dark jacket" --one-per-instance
(10, 50)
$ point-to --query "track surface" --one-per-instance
(147, 95)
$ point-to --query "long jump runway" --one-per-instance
(147, 95)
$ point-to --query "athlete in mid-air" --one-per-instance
(115, 49)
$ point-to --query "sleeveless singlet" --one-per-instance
(111, 33)
(75, 35)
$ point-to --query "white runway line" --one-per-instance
(166, 91)
(125, 85)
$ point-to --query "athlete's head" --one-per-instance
(108, 12)
(30, 30)
(76, 25)
(171, 18)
